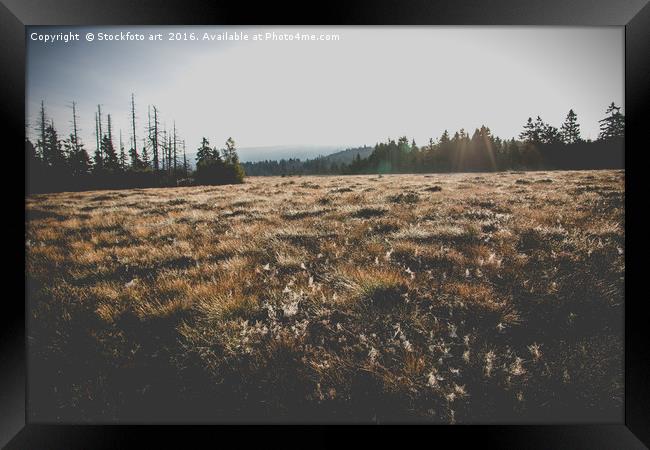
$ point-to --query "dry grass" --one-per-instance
(442, 298)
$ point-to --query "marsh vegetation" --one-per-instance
(446, 298)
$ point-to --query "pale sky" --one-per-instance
(373, 83)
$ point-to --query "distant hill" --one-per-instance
(295, 165)
(276, 152)
(346, 156)
(293, 159)
(323, 156)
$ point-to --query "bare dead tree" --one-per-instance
(99, 125)
(156, 161)
(135, 148)
(184, 159)
(75, 130)
(175, 158)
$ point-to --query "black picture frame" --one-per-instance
(17, 433)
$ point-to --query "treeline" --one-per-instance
(55, 164)
(159, 158)
(540, 146)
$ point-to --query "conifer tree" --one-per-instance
(53, 155)
(42, 125)
(122, 158)
(551, 135)
(613, 125)
(204, 152)
(111, 160)
(533, 131)
(77, 157)
(144, 159)
(570, 129)
(229, 153)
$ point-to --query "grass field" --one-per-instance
(461, 298)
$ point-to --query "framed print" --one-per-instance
(371, 213)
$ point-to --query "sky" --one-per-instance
(370, 84)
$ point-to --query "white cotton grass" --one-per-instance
(290, 305)
(290, 309)
(489, 363)
(517, 367)
(434, 379)
(373, 354)
(460, 390)
(535, 351)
